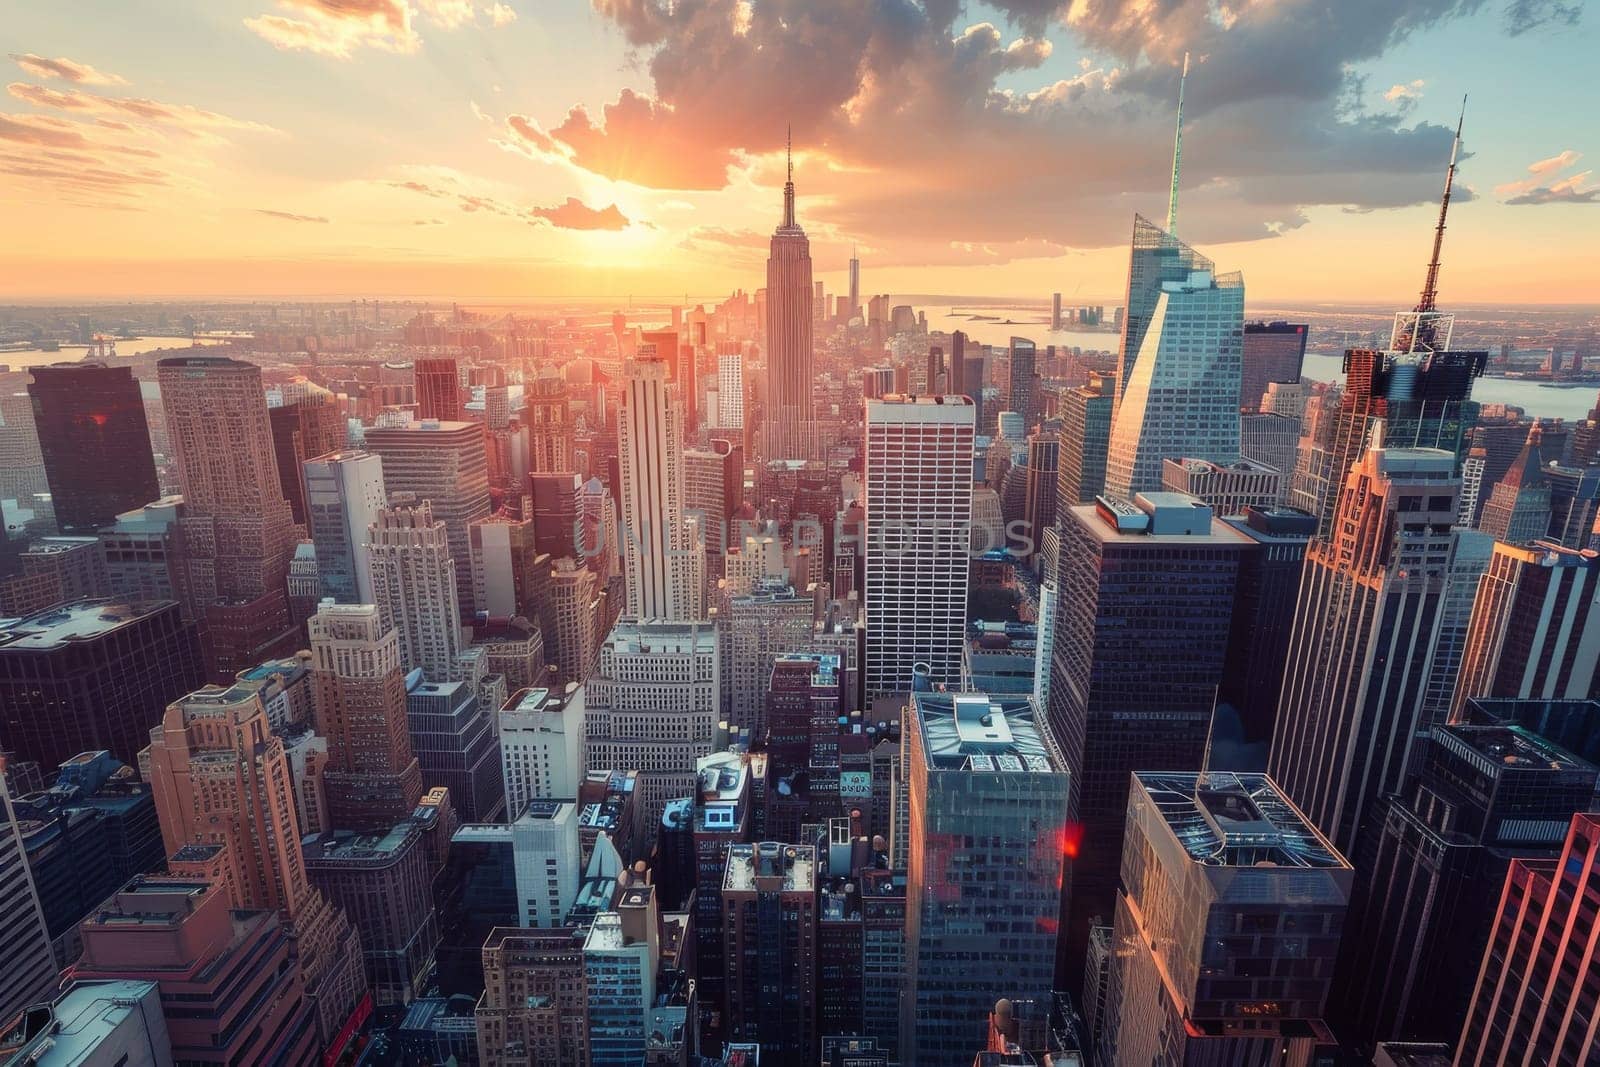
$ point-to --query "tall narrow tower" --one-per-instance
(790, 415)
(661, 572)
(855, 283)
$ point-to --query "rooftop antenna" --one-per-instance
(788, 186)
(1430, 288)
(1177, 153)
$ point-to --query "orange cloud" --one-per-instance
(576, 215)
(338, 28)
(643, 141)
(184, 116)
(289, 216)
(65, 69)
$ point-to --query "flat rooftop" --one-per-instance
(795, 865)
(1510, 746)
(1228, 819)
(85, 620)
(985, 734)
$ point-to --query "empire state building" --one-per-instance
(790, 416)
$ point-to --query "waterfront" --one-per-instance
(126, 348)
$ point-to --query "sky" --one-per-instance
(522, 149)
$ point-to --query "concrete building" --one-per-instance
(768, 621)
(1227, 925)
(414, 584)
(503, 565)
(140, 551)
(457, 746)
(652, 704)
(1227, 489)
(237, 531)
(620, 957)
(344, 494)
(574, 614)
(541, 745)
(444, 465)
(93, 675)
(534, 1011)
(661, 575)
(226, 805)
(789, 411)
(548, 417)
(302, 430)
(730, 392)
(229, 990)
(987, 790)
(437, 384)
(544, 846)
(918, 496)
(1085, 436)
(93, 1024)
(372, 779)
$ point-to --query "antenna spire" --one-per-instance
(788, 186)
(1177, 153)
(1430, 288)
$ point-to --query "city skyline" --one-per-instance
(491, 150)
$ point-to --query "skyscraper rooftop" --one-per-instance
(985, 734)
(1227, 819)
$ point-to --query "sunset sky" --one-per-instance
(532, 148)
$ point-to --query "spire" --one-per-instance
(1430, 288)
(1177, 153)
(788, 186)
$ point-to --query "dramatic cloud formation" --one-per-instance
(290, 216)
(1573, 189)
(576, 215)
(338, 28)
(65, 69)
(908, 123)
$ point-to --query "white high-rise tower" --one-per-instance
(660, 549)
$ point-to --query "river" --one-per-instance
(133, 346)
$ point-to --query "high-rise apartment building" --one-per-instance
(790, 414)
(620, 957)
(344, 493)
(713, 481)
(237, 530)
(1227, 488)
(140, 549)
(372, 780)
(30, 969)
(226, 804)
(575, 602)
(661, 576)
(306, 429)
(918, 495)
(987, 791)
(457, 746)
(414, 585)
(730, 391)
(438, 389)
(97, 674)
(504, 570)
(1271, 352)
(558, 514)
(94, 442)
(229, 988)
(541, 745)
(445, 465)
(1146, 594)
(1181, 396)
(1042, 479)
(769, 937)
(1538, 998)
(1364, 632)
(1272, 440)
(1085, 436)
(1228, 922)
(547, 415)
(769, 621)
(1535, 627)
(653, 703)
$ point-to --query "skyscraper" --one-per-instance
(1537, 999)
(1357, 668)
(855, 284)
(1146, 599)
(446, 465)
(1535, 627)
(1518, 510)
(918, 490)
(310, 427)
(661, 576)
(541, 745)
(1271, 352)
(1155, 257)
(372, 780)
(344, 493)
(1228, 923)
(438, 389)
(1181, 396)
(1085, 436)
(94, 442)
(548, 417)
(769, 937)
(730, 391)
(414, 584)
(790, 415)
(1022, 391)
(30, 970)
(987, 790)
(535, 999)
(223, 794)
(237, 531)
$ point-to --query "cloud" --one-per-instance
(501, 15)
(41, 130)
(1405, 96)
(450, 14)
(466, 201)
(532, 137)
(908, 122)
(1534, 190)
(182, 116)
(65, 69)
(1525, 15)
(427, 222)
(576, 215)
(338, 28)
(289, 216)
